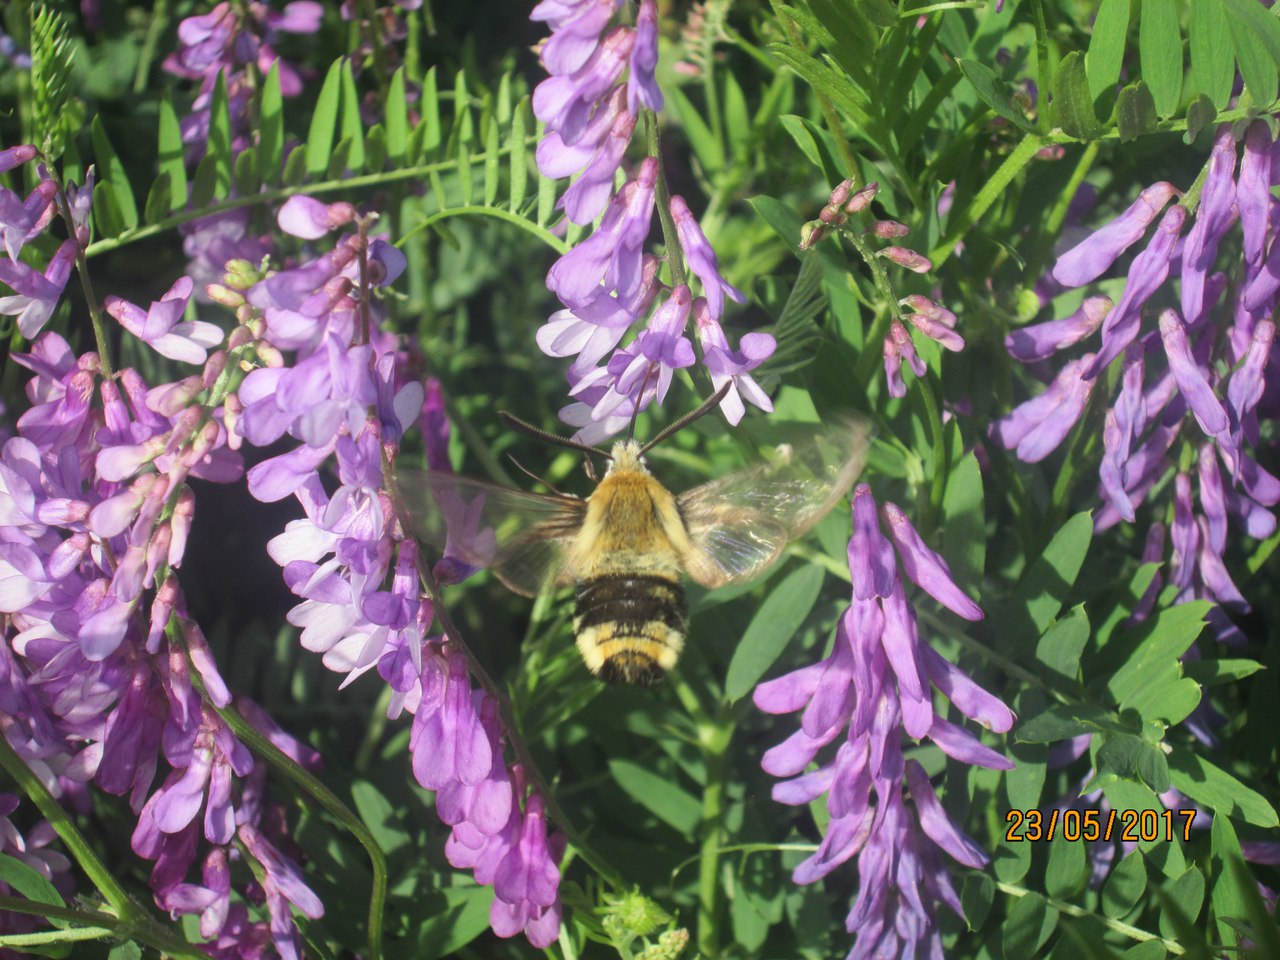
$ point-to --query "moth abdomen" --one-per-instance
(630, 628)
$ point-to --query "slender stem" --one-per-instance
(670, 238)
(159, 21)
(852, 168)
(542, 233)
(715, 739)
(1071, 910)
(1044, 67)
(381, 178)
(302, 778)
(102, 878)
(92, 925)
(82, 269)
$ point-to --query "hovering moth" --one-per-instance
(627, 546)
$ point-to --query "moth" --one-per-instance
(627, 546)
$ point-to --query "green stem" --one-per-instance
(542, 233)
(283, 193)
(991, 191)
(155, 30)
(282, 763)
(1044, 68)
(1071, 910)
(670, 238)
(94, 926)
(102, 878)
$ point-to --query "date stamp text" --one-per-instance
(1093, 825)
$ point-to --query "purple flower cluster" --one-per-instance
(234, 40)
(96, 679)
(876, 684)
(36, 292)
(607, 282)
(345, 396)
(1198, 377)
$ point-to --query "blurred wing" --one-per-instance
(520, 536)
(738, 525)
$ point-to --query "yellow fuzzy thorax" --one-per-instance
(632, 524)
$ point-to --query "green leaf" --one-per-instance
(156, 207)
(1125, 885)
(125, 951)
(1067, 869)
(295, 168)
(1164, 639)
(1254, 35)
(204, 182)
(246, 172)
(668, 802)
(976, 896)
(832, 83)
(396, 112)
(1160, 50)
(1213, 55)
(1212, 672)
(379, 816)
(1125, 795)
(324, 122)
(521, 121)
(1227, 896)
(1147, 950)
(781, 217)
(1060, 647)
(1030, 924)
(1135, 112)
(375, 149)
(1043, 588)
(1072, 103)
(1106, 46)
(123, 209)
(430, 125)
(451, 919)
(28, 882)
(771, 629)
(1061, 722)
(1244, 889)
(271, 128)
(1200, 114)
(492, 168)
(705, 146)
(351, 129)
(1220, 791)
(1129, 757)
(964, 528)
(995, 93)
(1188, 893)
(220, 138)
(171, 158)
(737, 119)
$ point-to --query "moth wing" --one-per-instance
(739, 524)
(522, 537)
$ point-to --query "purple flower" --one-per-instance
(726, 365)
(1040, 341)
(1036, 427)
(702, 259)
(1092, 257)
(642, 87)
(162, 328)
(35, 292)
(1149, 270)
(875, 682)
(613, 254)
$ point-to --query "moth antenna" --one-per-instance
(644, 385)
(707, 406)
(533, 476)
(546, 436)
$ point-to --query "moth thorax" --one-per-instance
(630, 628)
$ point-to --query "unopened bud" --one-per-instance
(904, 257)
(224, 295)
(860, 200)
(810, 234)
(841, 193)
(890, 229)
